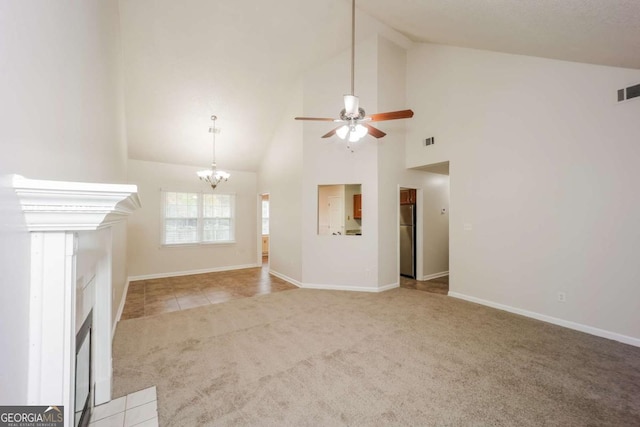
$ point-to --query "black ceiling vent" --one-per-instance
(629, 93)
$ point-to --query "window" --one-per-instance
(197, 218)
(265, 217)
(217, 218)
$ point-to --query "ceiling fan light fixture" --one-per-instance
(342, 131)
(351, 105)
(352, 114)
(357, 132)
(353, 132)
(361, 131)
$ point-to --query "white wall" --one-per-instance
(391, 64)
(544, 171)
(280, 175)
(394, 174)
(344, 261)
(370, 261)
(62, 109)
(146, 255)
(61, 117)
(435, 238)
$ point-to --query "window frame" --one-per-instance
(199, 219)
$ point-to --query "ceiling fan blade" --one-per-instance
(375, 132)
(321, 119)
(330, 133)
(392, 115)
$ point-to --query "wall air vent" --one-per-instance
(429, 141)
(629, 93)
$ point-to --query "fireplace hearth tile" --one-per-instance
(149, 423)
(108, 409)
(139, 409)
(141, 397)
(116, 420)
(139, 414)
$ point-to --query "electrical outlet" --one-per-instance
(562, 297)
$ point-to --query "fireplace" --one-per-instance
(70, 225)
(84, 385)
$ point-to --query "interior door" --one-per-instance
(336, 215)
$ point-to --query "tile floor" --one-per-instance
(156, 296)
(139, 409)
(439, 285)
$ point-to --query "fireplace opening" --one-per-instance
(84, 389)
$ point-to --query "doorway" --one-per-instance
(407, 232)
(264, 227)
(431, 228)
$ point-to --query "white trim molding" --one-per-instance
(435, 275)
(189, 272)
(554, 320)
(351, 288)
(54, 213)
(123, 299)
(73, 206)
(286, 278)
(389, 287)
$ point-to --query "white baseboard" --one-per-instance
(191, 272)
(120, 309)
(554, 320)
(334, 287)
(435, 275)
(286, 278)
(389, 286)
(351, 288)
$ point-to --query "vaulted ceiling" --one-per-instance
(186, 60)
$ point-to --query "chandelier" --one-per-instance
(213, 176)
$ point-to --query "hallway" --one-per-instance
(439, 285)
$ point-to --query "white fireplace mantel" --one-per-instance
(55, 212)
(73, 206)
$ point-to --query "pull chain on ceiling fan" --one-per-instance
(354, 118)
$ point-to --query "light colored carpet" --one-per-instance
(401, 357)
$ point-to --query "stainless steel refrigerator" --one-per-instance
(407, 241)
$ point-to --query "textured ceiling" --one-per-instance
(184, 61)
(593, 31)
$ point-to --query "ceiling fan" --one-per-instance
(355, 121)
